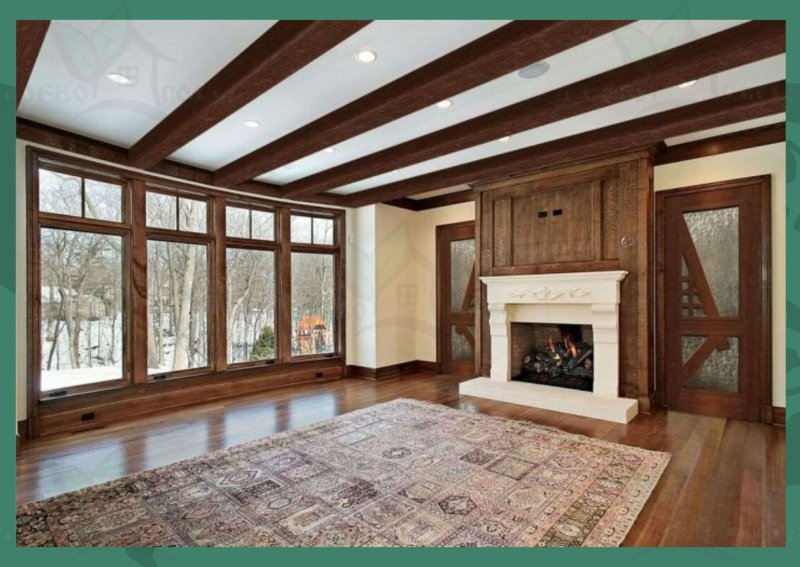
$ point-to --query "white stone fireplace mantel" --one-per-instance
(583, 298)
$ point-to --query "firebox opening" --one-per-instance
(553, 354)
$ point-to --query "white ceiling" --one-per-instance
(625, 45)
(331, 81)
(171, 59)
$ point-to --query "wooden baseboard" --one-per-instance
(778, 416)
(70, 415)
(22, 434)
(391, 371)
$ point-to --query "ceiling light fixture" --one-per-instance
(687, 84)
(366, 56)
(504, 139)
(252, 123)
(329, 150)
(447, 103)
(120, 79)
(534, 70)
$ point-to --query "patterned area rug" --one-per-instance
(404, 473)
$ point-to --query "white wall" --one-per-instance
(21, 291)
(763, 160)
(424, 238)
(392, 282)
(360, 294)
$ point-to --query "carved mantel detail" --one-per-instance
(544, 293)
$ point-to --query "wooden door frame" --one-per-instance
(764, 377)
(440, 287)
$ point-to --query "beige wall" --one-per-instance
(763, 160)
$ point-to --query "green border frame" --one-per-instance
(409, 9)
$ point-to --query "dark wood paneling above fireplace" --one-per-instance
(590, 216)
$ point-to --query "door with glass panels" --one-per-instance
(456, 298)
(714, 287)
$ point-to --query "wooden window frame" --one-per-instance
(135, 236)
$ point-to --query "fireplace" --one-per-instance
(553, 354)
(569, 308)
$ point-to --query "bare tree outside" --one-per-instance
(177, 287)
(251, 304)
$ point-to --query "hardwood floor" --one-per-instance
(725, 485)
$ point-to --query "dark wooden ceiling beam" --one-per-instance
(731, 142)
(30, 36)
(640, 132)
(719, 52)
(75, 143)
(282, 50)
(493, 55)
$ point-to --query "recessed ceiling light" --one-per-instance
(534, 70)
(504, 139)
(447, 103)
(366, 56)
(252, 123)
(687, 84)
(329, 150)
(119, 78)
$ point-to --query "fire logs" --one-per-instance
(567, 363)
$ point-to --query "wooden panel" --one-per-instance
(501, 243)
(610, 219)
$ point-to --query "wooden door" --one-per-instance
(455, 274)
(713, 275)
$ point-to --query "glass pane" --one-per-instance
(81, 308)
(461, 341)
(251, 304)
(323, 231)
(103, 201)
(161, 211)
(312, 304)
(715, 234)
(720, 370)
(263, 225)
(237, 222)
(193, 215)
(177, 312)
(462, 260)
(59, 193)
(301, 229)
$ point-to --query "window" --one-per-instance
(176, 213)
(137, 279)
(249, 223)
(73, 195)
(177, 306)
(81, 319)
(313, 289)
(311, 230)
(250, 279)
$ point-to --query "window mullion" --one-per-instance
(138, 285)
(283, 329)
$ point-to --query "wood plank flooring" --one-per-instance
(725, 485)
